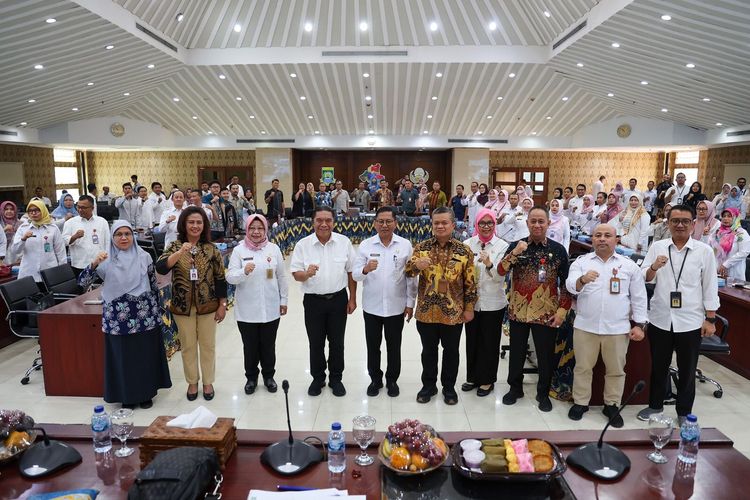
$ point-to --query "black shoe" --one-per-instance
(129, 407)
(545, 404)
(250, 386)
(485, 392)
(208, 396)
(374, 389)
(576, 412)
(315, 388)
(449, 396)
(192, 396)
(609, 411)
(468, 386)
(338, 388)
(393, 389)
(270, 384)
(425, 394)
(511, 397)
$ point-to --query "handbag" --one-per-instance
(184, 473)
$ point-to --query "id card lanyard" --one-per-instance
(193, 270)
(675, 297)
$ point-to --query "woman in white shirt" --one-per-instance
(38, 242)
(723, 194)
(705, 220)
(731, 245)
(483, 333)
(559, 225)
(169, 217)
(498, 202)
(256, 267)
(659, 229)
(634, 223)
(512, 226)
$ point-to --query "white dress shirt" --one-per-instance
(258, 297)
(698, 285)
(490, 285)
(341, 203)
(561, 236)
(3, 244)
(575, 202)
(31, 252)
(649, 197)
(156, 207)
(128, 208)
(597, 188)
(473, 208)
(630, 192)
(676, 194)
(387, 291)
(170, 228)
(334, 260)
(599, 311)
(144, 217)
(95, 239)
(513, 227)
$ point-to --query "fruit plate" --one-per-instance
(460, 466)
(402, 472)
(6, 455)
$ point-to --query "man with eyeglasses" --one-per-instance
(86, 235)
(683, 309)
(387, 298)
(676, 194)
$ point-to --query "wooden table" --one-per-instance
(719, 474)
(735, 306)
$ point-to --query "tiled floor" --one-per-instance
(266, 411)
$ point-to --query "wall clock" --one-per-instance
(624, 130)
(117, 129)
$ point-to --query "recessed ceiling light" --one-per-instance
(238, 98)
(368, 98)
(499, 98)
(547, 13)
(433, 26)
(533, 133)
(644, 82)
(302, 98)
(548, 118)
(51, 20)
(308, 26)
(365, 75)
(664, 110)
(176, 99)
(237, 28)
(263, 132)
(434, 98)
(293, 75)
(74, 109)
(222, 76)
(666, 17)
(150, 66)
(492, 26)
(429, 117)
(317, 132)
(252, 117)
(31, 101)
(512, 75)
(90, 84)
(479, 132)
(610, 94)
(706, 99)
(195, 117)
(369, 117)
(309, 117)
(615, 45)
(565, 98)
(23, 124)
(718, 124)
(425, 132)
(126, 94)
(210, 132)
(371, 131)
(363, 26)
(38, 66)
(179, 17)
(580, 65)
(690, 65)
(438, 75)
(489, 117)
(109, 47)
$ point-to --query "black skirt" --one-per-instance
(135, 367)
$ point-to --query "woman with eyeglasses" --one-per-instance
(731, 245)
(38, 242)
(66, 209)
(256, 267)
(705, 220)
(135, 361)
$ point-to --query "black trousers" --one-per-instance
(483, 346)
(325, 318)
(687, 346)
(544, 343)
(374, 326)
(433, 335)
(259, 345)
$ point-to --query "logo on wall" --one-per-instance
(326, 175)
(372, 177)
(419, 176)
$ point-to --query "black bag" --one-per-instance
(37, 302)
(185, 473)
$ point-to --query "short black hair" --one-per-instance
(88, 198)
(275, 180)
(141, 187)
(461, 186)
(214, 182)
(444, 210)
(601, 177)
(155, 183)
(683, 208)
(381, 210)
(633, 179)
(127, 184)
(324, 208)
(741, 179)
(90, 186)
(182, 224)
(581, 186)
(539, 207)
(569, 188)
(133, 177)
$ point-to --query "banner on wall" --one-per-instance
(326, 175)
(372, 177)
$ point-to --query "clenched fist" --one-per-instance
(249, 267)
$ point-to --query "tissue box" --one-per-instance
(158, 437)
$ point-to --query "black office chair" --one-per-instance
(61, 281)
(637, 258)
(715, 344)
(149, 245)
(158, 243)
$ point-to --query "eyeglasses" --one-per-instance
(123, 235)
(702, 209)
(384, 222)
(680, 222)
(486, 224)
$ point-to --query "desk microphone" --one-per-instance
(290, 456)
(46, 457)
(600, 459)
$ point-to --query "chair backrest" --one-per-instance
(722, 327)
(637, 258)
(159, 242)
(15, 292)
(60, 279)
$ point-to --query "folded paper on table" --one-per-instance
(305, 495)
(200, 417)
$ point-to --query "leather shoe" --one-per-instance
(425, 394)
(250, 386)
(129, 407)
(449, 396)
(545, 404)
(468, 386)
(485, 392)
(208, 396)
(146, 404)
(576, 411)
(374, 389)
(338, 388)
(315, 388)
(610, 411)
(393, 389)
(511, 397)
(270, 384)
(192, 396)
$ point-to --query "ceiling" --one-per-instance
(556, 98)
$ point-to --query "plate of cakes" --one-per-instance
(508, 459)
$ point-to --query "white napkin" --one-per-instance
(200, 417)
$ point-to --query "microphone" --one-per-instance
(285, 388)
(600, 459)
(46, 457)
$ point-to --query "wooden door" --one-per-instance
(223, 174)
(509, 178)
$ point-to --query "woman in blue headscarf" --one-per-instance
(66, 209)
(734, 200)
(135, 363)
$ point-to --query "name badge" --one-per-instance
(374, 255)
(193, 274)
(541, 276)
(95, 238)
(269, 273)
(614, 283)
(245, 259)
(675, 300)
(47, 245)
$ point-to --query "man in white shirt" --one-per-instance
(683, 309)
(235, 180)
(512, 226)
(598, 185)
(649, 197)
(105, 197)
(144, 218)
(158, 201)
(473, 206)
(610, 291)
(86, 235)
(323, 263)
(340, 198)
(575, 204)
(677, 193)
(169, 217)
(387, 298)
(196, 199)
(632, 190)
(39, 193)
(128, 205)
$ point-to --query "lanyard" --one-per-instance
(677, 278)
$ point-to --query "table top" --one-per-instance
(717, 473)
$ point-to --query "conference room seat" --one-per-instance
(61, 281)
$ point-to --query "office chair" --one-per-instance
(158, 242)
(61, 281)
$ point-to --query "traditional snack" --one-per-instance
(507, 455)
(543, 463)
(492, 442)
(539, 447)
(470, 444)
(473, 458)
(494, 450)
(493, 464)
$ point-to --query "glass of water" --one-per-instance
(660, 429)
(363, 429)
(122, 427)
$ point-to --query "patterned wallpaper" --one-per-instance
(38, 167)
(711, 164)
(568, 168)
(168, 167)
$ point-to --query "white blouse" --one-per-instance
(260, 294)
(34, 255)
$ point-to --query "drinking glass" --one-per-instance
(660, 429)
(363, 429)
(122, 426)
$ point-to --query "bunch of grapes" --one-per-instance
(409, 433)
(432, 454)
(11, 420)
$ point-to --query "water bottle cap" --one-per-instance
(336, 426)
(98, 409)
(692, 418)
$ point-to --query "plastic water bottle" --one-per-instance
(336, 449)
(100, 427)
(690, 436)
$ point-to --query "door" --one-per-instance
(509, 178)
(224, 175)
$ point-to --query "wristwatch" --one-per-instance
(712, 320)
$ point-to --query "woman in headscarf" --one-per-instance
(659, 229)
(498, 202)
(633, 223)
(723, 194)
(422, 203)
(586, 214)
(705, 220)
(310, 188)
(612, 210)
(9, 214)
(734, 200)
(618, 191)
(484, 194)
(557, 193)
(135, 362)
(66, 209)
(38, 242)
(256, 267)
(559, 225)
(483, 333)
(695, 195)
(731, 245)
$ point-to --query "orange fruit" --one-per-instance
(400, 458)
(441, 444)
(419, 461)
